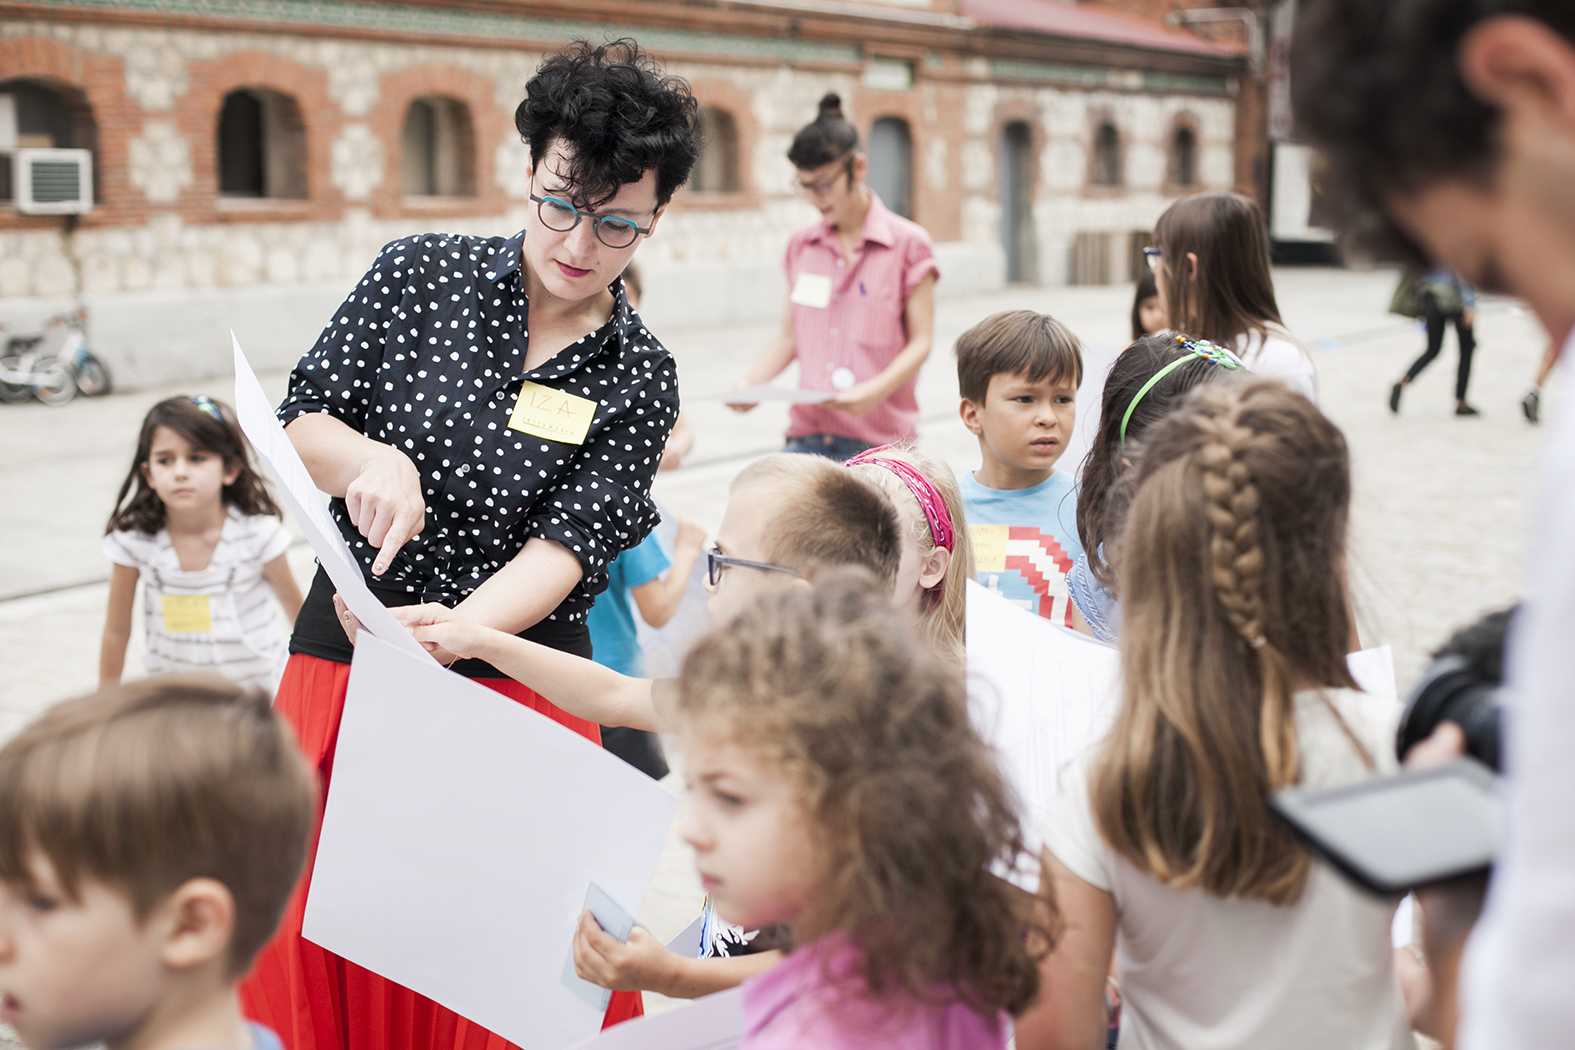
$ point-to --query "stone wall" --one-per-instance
(167, 265)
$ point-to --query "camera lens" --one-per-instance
(1454, 690)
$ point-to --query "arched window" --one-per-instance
(1016, 194)
(1183, 156)
(1106, 167)
(438, 149)
(262, 145)
(48, 115)
(891, 164)
(717, 169)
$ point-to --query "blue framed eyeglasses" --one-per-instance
(1152, 256)
(560, 216)
(716, 561)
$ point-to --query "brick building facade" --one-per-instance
(250, 157)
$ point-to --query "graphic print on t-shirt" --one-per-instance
(1026, 566)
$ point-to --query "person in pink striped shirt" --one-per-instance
(860, 314)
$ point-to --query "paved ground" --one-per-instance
(1438, 519)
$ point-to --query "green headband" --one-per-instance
(1195, 349)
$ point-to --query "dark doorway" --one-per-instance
(891, 164)
(1016, 194)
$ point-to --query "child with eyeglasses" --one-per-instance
(789, 519)
(860, 314)
(195, 525)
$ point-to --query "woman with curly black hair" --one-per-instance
(487, 414)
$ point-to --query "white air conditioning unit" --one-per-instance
(53, 181)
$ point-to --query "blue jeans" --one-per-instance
(832, 446)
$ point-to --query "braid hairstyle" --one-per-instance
(1233, 587)
(1233, 505)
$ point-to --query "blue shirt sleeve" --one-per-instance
(643, 562)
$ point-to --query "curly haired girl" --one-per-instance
(1161, 845)
(839, 789)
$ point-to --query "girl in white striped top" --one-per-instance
(196, 525)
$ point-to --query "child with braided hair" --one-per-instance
(1160, 844)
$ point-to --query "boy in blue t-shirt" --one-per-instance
(615, 642)
(1018, 373)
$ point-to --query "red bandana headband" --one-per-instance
(923, 489)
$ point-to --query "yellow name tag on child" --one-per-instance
(989, 547)
(187, 614)
(544, 412)
(812, 289)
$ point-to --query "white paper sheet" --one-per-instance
(461, 835)
(713, 1023)
(687, 943)
(1374, 671)
(283, 464)
(1041, 694)
(753, 395)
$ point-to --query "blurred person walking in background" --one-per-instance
(1440, 298)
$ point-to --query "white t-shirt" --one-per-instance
(1279, 356)
(223, 618)
(1518, 979)
(1204, 973)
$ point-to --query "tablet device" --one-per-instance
(1395, 833)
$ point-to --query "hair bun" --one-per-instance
(831, 106)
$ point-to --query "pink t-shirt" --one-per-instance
(795, 1007)
(859, 329)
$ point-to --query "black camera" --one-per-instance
(1464, 686)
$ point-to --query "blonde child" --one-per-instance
(195, 524)
(937, 557)
(788, 517)
(150, 838)
(1161, 848)
(839, 789)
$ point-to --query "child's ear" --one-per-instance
(969, 411)
(935, 566)
(200, 919)
(1192, 266)
(231, 472)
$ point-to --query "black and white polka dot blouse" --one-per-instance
(427, 355)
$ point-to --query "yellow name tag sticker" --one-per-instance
(187, 614)
(812, 289)
(544, 412)
(989, 547)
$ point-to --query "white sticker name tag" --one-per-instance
(812, 289)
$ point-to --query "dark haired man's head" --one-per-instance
(615, 116)
(1448, 131)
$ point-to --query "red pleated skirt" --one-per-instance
(314, 999)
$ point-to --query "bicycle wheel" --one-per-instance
(12, 393)
(52, 383)
(92, 376)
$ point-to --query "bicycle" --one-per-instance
(53, 367)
